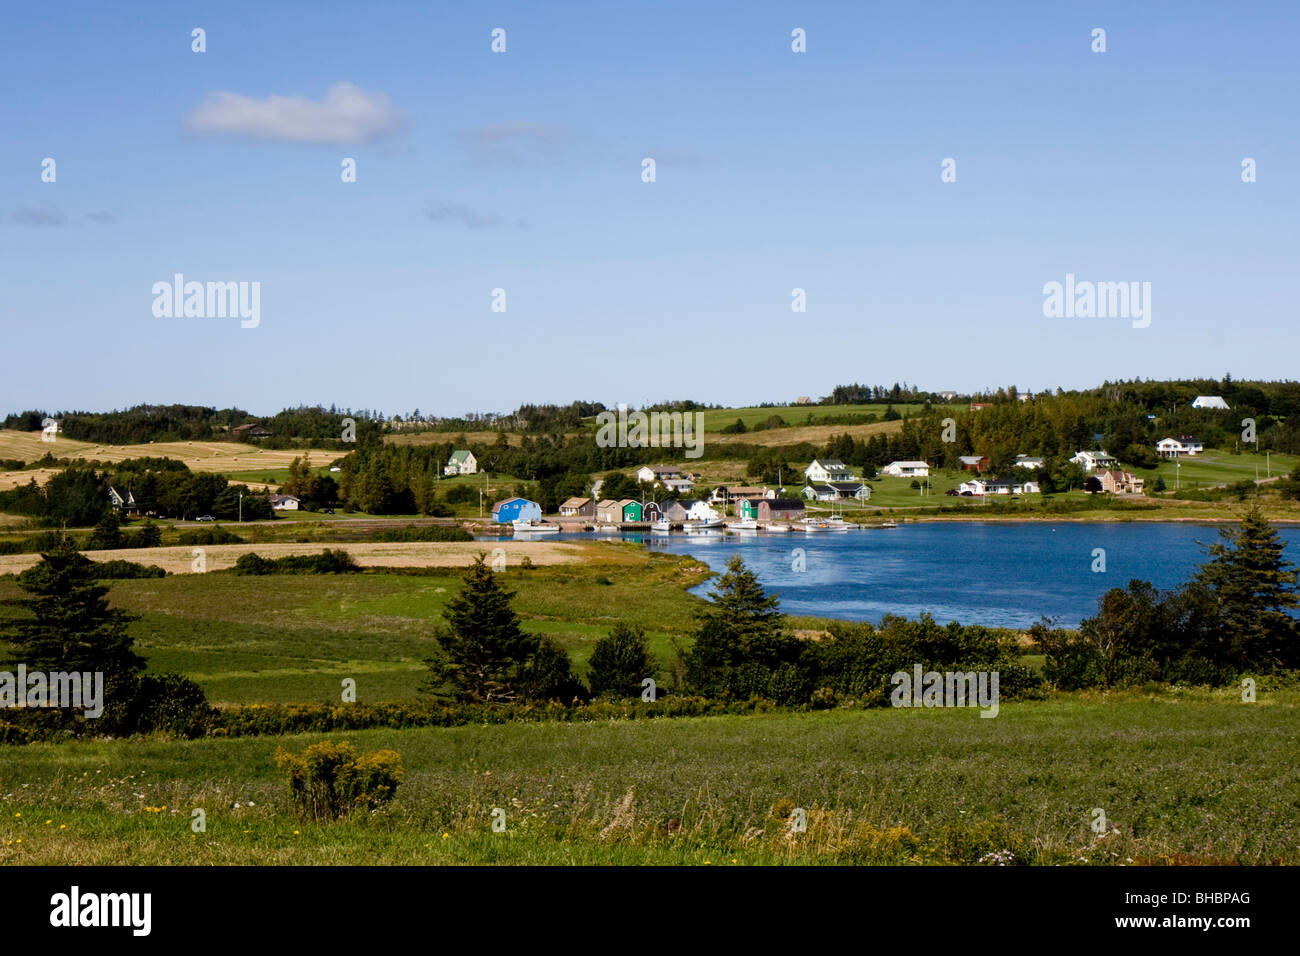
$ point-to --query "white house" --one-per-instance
(1026, 461)
(823, 470)
(1094, 461)
(461, 463)
(1003, 486)
(283, 503)
(838, 491)
(651, 474)
(907, 469)
(1173, 447)
(1209, 401)
(679, 485)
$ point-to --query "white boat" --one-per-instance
(660, 525)
(534, 527)
(744, 524)
(891, 523)
(777, 527)
(703, 524)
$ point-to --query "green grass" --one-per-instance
(292, 638)
(1218, 467)
(1189, 777)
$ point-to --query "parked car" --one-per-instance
(968, 494)
(205, 518)
(952, 492)
(329, 511)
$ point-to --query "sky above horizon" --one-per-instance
(522, 171)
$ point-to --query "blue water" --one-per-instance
(998, 574)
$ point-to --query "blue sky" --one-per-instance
(522, 171)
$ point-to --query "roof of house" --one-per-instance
(623, 503)
(846, 485)
(575, 502)
(783, 503)
(606, 503)
(276, 499)
(908, 464)
(460, 455)
(828, 463)
(971, 459)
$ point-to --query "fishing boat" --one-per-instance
(534, 527)
(777, 527)
(703, 524)
(891, 523)
(661, 525)
(743, 524)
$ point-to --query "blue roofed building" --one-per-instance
(516, 509)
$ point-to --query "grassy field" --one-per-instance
(295, 637)
(1219, 467)
(1188, 778)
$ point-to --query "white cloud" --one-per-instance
(347, 115)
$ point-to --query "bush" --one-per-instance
(328, 781)
(333, 561)
(119, 570)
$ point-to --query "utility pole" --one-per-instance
(241, 507)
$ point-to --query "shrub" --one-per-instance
(333, 561)
(328, 781)
(119, 570)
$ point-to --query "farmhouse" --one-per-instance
(826, 469)
(980, 406)
(516, 509)
(461, 462)
(1027, 461)
(780, 509)
(1173, 447)
(126, 504)
(973, 462)
(679, 485)
(283, 502)
(250, 432)
(1209, 401)
(1120, 482)
(1092, 461)
(907, 469)
(578, 508)
(652, 474)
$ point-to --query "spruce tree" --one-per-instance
(1250, 588)
(483, 646)
(69, 625)
(620, 661)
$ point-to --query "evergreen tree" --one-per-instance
(620, 661)
(69, 624)
(483, 647)
(740, 642)
(107, 534)
(1250, 588)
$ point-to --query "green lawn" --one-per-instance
(1187, 778)
(1218, 467)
